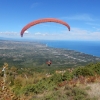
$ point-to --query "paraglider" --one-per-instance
(49, 62)
(43, 21)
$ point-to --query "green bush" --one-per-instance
(77, 94)
(17, 83)
(84, 71)
(17, 86)
(40, 87)
(56, 78)
(67, 76)
(95, 67)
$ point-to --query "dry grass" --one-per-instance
(94, 90)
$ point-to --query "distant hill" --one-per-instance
(33, 54)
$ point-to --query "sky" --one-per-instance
(83, 16)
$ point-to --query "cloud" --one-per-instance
(74, 34)
(88, 23)
(81, 17)
(38, 33)
(34, 4)
(26, 32)
(93, 24)
(80, 34)
(9, 34)
(42, 34)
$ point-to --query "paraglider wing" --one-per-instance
(43, 21)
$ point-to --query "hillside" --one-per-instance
(24, 74)
(81, 83)
(33, 54)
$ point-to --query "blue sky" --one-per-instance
(83, 16)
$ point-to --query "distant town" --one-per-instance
(26, 54)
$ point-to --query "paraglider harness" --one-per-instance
(49, 63)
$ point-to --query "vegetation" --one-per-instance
(35, 54)
(60, 85)
(25, 76)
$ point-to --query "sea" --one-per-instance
(87, 47)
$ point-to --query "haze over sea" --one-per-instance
(87, 47)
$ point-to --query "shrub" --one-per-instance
(84, 71)
(17, 83)
(40, 87)
(56, 78)
(67, 76)
(95, 67)
(77, 94)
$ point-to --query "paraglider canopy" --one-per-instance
(43, 21)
